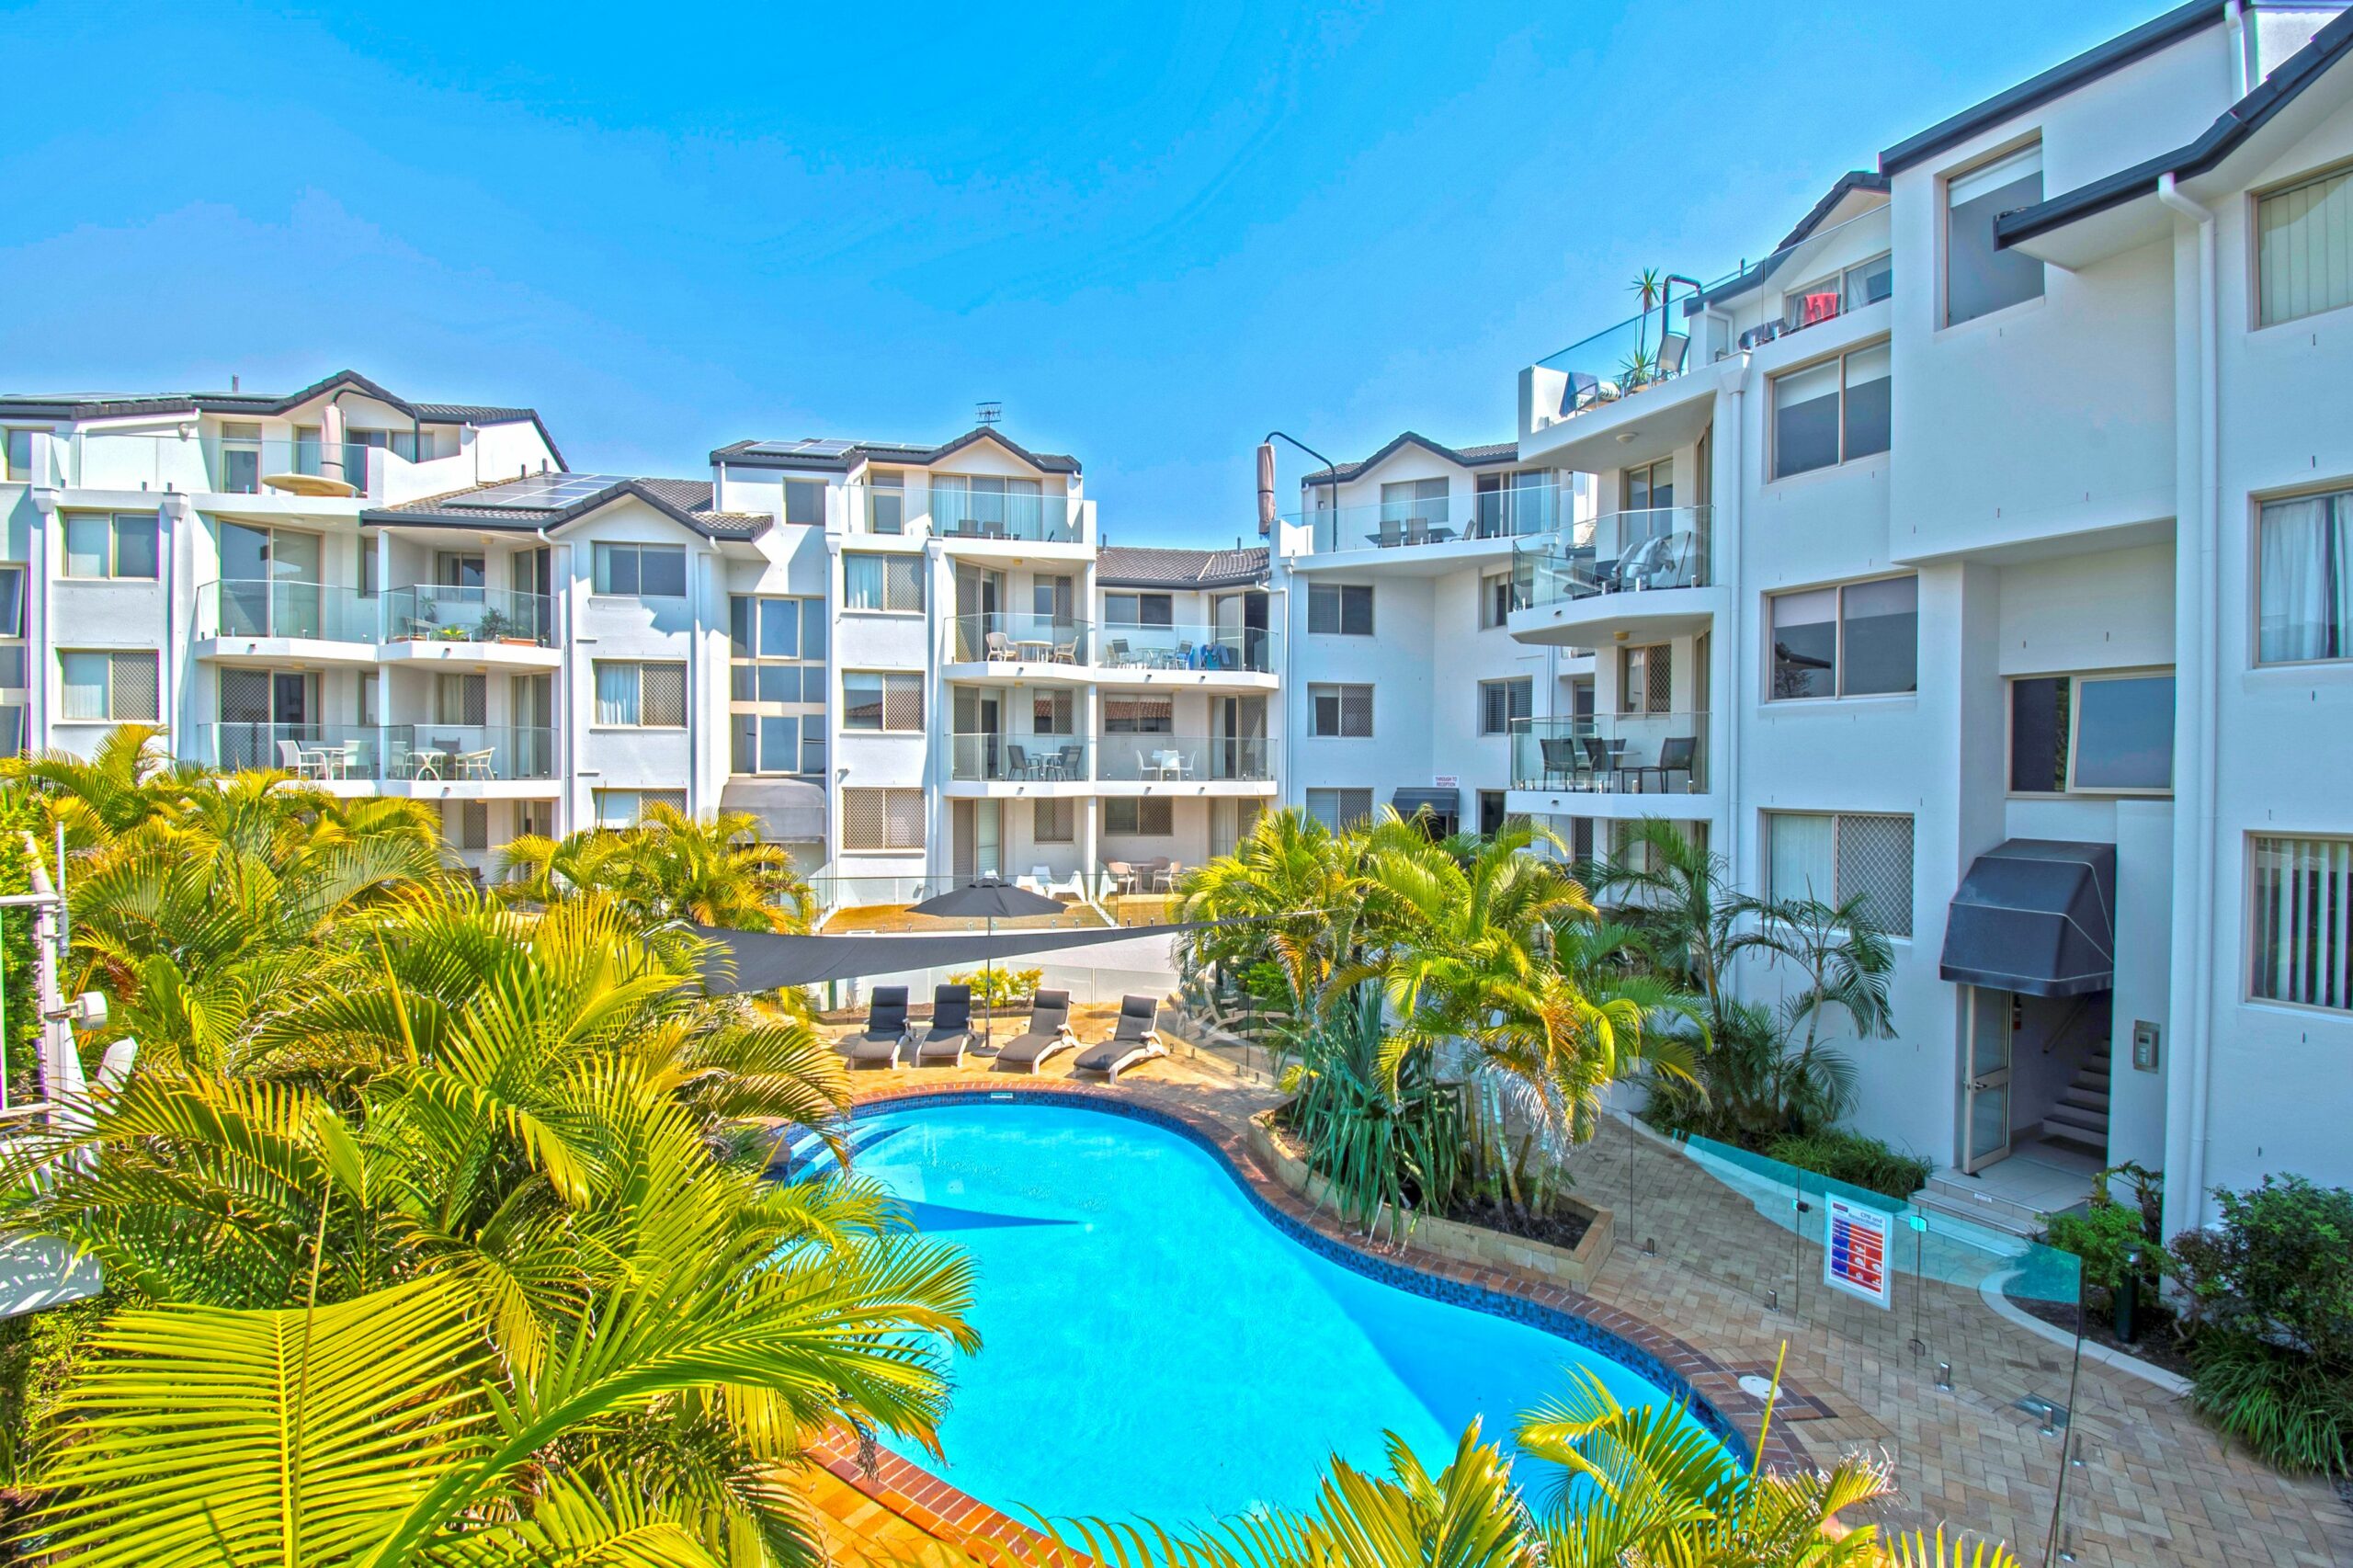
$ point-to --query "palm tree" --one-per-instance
(1642, 1488)
(670, 867)
(1683, 898)
(1291, 890)
(127, 781)
(1842, 953)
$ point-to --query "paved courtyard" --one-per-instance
(2151, 1485)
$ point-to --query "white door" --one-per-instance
(1985, 1115)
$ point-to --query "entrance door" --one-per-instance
(1238, 742)
(977, 849)
(980, 601)
(1985, 1114)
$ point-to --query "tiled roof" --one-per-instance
(685, 501)
(1126, 566)
(106, 405)
(1469, 456)
(793, 455)
(1749, 276)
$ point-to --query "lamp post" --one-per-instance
(1266, 475)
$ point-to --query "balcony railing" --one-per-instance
(1660, 546)
(1003, 637)
(998, 758)
(1184, 759)
(227, 465)
(441, 613)
(958, 512)
(1396, 525)
(1251, 650)
(1613, 754)
(1639, 354)
(428, 754)
(256, 607)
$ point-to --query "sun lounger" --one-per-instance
(951, 1027)
(1049, 1033)
(886, 1029)
(1137, 1039)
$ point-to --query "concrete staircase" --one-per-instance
(1948, 1192)
(2080, 1119)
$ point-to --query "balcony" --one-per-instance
(1404, 525)
(1618, 552)
(1186, 759)
(414, 758)
(232, 466)
(438, 616)
(442, 613)
(992, 757)
(1622, 754)
(1638, 355)
(955, 511)
(1197, 648)
(274, 608)
(1003, 637)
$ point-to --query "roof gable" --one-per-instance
(1466, 457)
(857, 454)
(683, 501)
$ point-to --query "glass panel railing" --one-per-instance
(275, 608)
(1174, 759)
(1396, 525)
(1659, 547)
(955, 511)
(444, 613)
(1635, 356)
(1003, 637)
(447, 754)
(1613, 754)
(991, 757)
(1254, 650)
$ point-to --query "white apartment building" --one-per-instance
(1984, 552)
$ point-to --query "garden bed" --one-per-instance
(1564, 1227)
(2158, 1345)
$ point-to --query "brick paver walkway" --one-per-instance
(2154, 1487)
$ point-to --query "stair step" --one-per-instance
(2094, 1121)
(1964, 1200)
(2088, 1100)
(2090, 1140)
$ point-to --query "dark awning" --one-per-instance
(765, 960)
(2036, 915)
(791, 811)
(1441, 803)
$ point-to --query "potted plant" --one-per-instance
(494, 626)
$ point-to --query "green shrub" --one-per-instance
(2274, 1400)
(996, 987)
(1854, 1159)
(2107, 1233)
(2280, 1261)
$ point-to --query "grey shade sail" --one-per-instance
(988, 898)
(791, 811)
(1441, 803)
(2035, 915)
(765, 961)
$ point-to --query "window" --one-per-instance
(777, 684)
(1859, 640)
(1054, 822)
(1149, 816)
(1500, 593)
(124, 688)
(1506, 705)
(652, 696)
(1650, 485)
(1832, 857)
(1337, 809)
(778, 743)
(2109, 734)
(2302, 929)
(2303, 249)
(886, 501)
(889, 702)
(1851, 289)
(12, 602)
(1832, 412)
(119, 544)
(1414, 501)
(627, 808)
(461, 698)
(804, 502)
(1341, 710)
(643, 571)
(1139, 610)
(881, 819)
(466, 824)
(1979, 280)
(1053, 713)
(1646, 679)
(1054, 599)
(18, 455)
(2304, 577)
(1342, 609)
(1525, 501)
(1139, 716)
(892, 583)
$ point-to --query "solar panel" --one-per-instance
(539, 492)
(810, 446)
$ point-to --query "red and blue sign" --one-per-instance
(1855, 1255)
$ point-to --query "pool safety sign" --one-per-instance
(1855, 1258)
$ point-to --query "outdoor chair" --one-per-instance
(291, 758)
(1677, 753)
(1135, 1038)
(1417, 530)
(1049, 1033)
(951, 1034)
(1671, 349)
(1392, 533)
(886, 1030)
(1583, 392)
(997, 647)
(1596, 752)
(1560, 758)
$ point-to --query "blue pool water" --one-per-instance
(1155, 1345)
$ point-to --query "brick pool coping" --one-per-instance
(1711, 1385)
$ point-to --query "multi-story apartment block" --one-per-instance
(1978, 552)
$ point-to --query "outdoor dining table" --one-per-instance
(1439, 535)
(1033, 649)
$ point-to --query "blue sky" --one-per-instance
(1152, 232)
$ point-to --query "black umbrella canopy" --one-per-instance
(989, 898)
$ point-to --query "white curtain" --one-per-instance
(1801, 852)
(616, 694)
(2307, 579)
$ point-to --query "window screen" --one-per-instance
(2300, 937)
(1504, 704)
(1054, 822)
(1340, 608)
(1337, 809)
(882, 819)
(1343, 711)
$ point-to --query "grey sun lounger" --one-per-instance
(951, 1027)
(1137, 1039)
(1048, 1034)
(886, 1029)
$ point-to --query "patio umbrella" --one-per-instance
(988, 898)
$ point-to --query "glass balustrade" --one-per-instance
(443, 613)
(999, 758)
(1396, 525)
(1658, 547)
(1184, 760)
(1004, 637)
(956, 511)
(1613, 754)
(258, 607)
(426, 754)
(1128, 645)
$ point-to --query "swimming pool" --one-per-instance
(1154, 1343)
